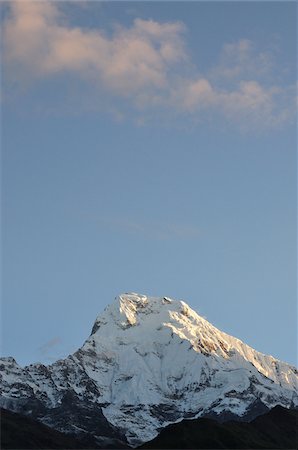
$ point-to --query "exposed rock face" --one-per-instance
(147, 363)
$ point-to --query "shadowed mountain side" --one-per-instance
(276, 429)
(20, 432)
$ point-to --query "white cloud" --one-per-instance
(197, 93)
(144, 65)
(37, 38)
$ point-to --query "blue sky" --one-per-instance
(148, 147)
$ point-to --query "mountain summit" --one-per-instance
(149, 362)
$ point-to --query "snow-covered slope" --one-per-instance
(149, 362)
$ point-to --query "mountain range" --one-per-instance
(149, 362)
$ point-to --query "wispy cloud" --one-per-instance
(156, 230)
(250, 104)
(45, 350)
(148, 66)
(242, 59)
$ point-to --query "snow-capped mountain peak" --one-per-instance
(149, 319)
(150, 361)
(129, 309)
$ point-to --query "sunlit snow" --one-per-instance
(152, 361)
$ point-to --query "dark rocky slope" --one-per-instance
(276, 429)
(21, 432)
